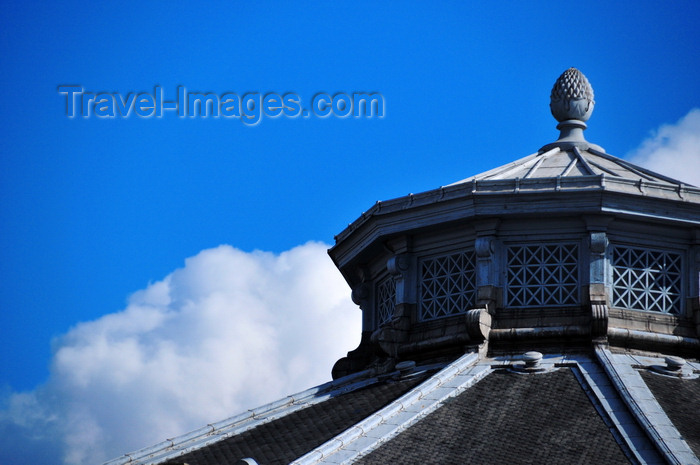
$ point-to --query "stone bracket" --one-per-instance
(599, 320)
(478, 323)
(360, 294)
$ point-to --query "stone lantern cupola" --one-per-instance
(565, 248)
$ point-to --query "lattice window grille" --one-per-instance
(447, 285)
(386, 299)
(542, 275)
(646, 279)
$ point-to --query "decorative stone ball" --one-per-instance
(674, 363)
(532, 358)
(572, 97)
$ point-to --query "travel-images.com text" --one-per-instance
(250, 107)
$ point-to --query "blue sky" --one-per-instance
(94, 210)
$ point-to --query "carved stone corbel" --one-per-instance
(599, 320)
(402, 268)
(598, 242)
(358, 358)
(398, 265)
(478, 323)
(483, 246)
(360, 295)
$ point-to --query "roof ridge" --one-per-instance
(506, 167)
(582, 159)
(644, 172)
(358, 439)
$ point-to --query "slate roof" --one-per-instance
(680, 399)
(509, 418)
(281, 431)
(579, 408)
(282, 440)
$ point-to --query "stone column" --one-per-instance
(487, 250)
(402, 267)
(694, 274)
(598, 267)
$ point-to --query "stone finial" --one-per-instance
(571, 103)
(572, 97)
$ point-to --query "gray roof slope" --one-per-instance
(680, 399)
(400, 414)
(509, 418)
(571, 162)
(606, 412)
(213, 433)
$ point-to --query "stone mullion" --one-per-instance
(694, 281)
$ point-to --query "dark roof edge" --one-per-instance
(645, 188)
(171, 448)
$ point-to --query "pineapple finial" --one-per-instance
(572, 97)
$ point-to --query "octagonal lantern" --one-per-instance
(567, 247)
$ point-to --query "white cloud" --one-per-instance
(673, 150)
(229, 331)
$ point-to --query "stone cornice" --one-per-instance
(559, 196)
